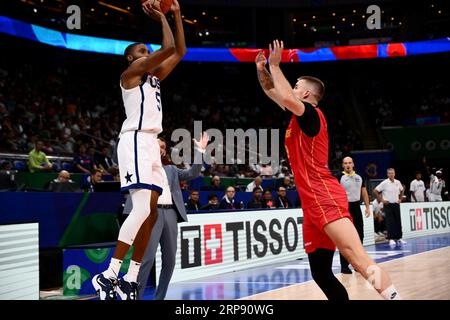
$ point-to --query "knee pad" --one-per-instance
(140, 212)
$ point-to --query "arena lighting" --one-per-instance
(113, 7)
(71, 41)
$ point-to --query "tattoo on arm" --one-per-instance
(265, 79)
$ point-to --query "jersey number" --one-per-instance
(158, 98)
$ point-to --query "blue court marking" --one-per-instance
(236, 285)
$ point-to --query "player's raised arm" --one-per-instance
(148, 63)
(164, 69)
(264, 77)
(285, 94)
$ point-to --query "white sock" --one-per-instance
(113, 269)
(133, 271)
(390, 293)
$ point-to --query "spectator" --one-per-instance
(83, 162)
(266, 170)
(254, 184)
(6, 166)
(228, 201)
(417, 189)
(215, 185)
(256, 200)
(7, 177)
(92, 180)
(38, 161)
(390, 193)
(213, 202)
(267, 201)
(282, 201)
(103, 161)
(193, 203)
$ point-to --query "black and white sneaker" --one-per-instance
(105, 288)
(127, 290)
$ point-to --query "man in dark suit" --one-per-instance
(228, 201)
(256, 201)
(282, 200)
(193, 203)
(213, 203)
(171, 210)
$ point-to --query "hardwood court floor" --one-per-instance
(424, 276)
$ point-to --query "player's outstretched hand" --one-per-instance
(275, 53)
(260, 60)
(203, 141)
(175, 7)
(153, 10)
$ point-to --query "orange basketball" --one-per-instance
(164, 4)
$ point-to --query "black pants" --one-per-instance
(321, 262)
(393, 221)
(355, 212)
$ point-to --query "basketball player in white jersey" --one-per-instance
(140, 167)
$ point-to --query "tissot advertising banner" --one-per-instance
(210, 244)
(224, 242)
(425, 218)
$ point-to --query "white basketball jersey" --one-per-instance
(143, 106)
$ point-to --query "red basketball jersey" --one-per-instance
(308, 157)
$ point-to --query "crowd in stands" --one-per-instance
(50, 110)
(399, 100)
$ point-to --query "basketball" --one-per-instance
(164, 4)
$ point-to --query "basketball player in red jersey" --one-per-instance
(327, 222)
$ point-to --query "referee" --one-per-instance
(355, 188)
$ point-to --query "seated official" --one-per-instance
(282, 201)
(193, 203)
(228, 202)
(267, 201)
(95, 177)
(256, 201)
(62, 183)
(213, 203)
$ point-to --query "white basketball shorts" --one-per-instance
(140, 161)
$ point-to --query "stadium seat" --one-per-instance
(107, 177)
(67, 166)
(20, 165)
(56, 166)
